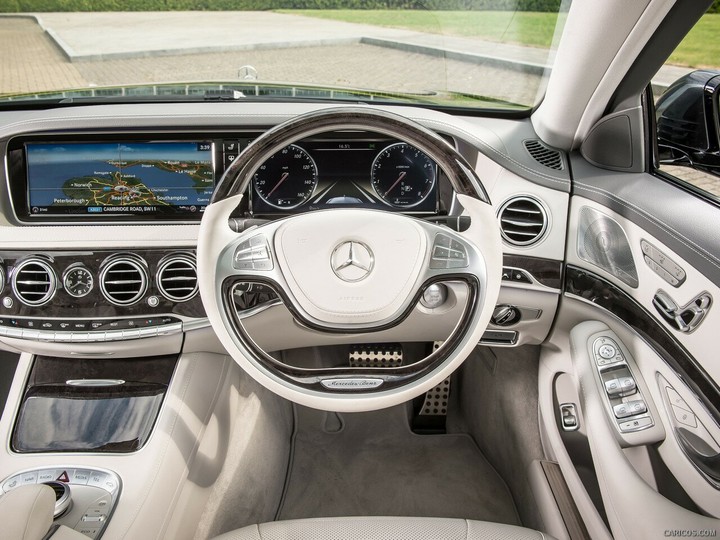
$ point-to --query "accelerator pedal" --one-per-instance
(433, 412)
(380, 355)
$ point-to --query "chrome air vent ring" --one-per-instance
(523, 221)
(34, 282)
(176, 277)
(124, 280)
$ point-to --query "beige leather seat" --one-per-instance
(382, 528)
(26, 513)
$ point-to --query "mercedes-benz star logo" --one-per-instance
(352, 261)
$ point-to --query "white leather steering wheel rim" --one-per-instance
(217, 244)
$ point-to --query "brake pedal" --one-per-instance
(380, 355)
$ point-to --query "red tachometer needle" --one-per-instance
(402, 175)
(282, 179)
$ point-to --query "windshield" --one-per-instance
(493, 56)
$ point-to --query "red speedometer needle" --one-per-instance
(402, 175)
(282, 179)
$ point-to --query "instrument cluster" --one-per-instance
(350, 170)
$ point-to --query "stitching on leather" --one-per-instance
(486, 146)
(657, 222)
(161, 457)
(32, 512)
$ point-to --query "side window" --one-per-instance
(686, 92)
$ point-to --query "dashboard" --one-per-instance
(103, 207)
(130, 178)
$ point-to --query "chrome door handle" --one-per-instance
(684, 319)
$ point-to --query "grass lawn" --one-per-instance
(701, 48)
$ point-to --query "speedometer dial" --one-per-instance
(403, 176)
(287, 179)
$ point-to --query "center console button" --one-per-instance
(28, 478)
(80, 476)
(47, 475)
(11, 483)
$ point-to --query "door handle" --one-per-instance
(702, 456)
(686, 318)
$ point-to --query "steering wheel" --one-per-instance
(349, 271)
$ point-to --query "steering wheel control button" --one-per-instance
(448, 253)
(253, 254)
(352, 261)
(434, 296)
(351, 384)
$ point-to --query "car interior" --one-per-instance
(377, 320)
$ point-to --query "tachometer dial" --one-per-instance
(78, 281)
(403, 176)
(287, 179)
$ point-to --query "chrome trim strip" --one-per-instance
(94, 382)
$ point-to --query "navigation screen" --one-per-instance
(149, 179)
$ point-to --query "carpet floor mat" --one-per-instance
(372, 464)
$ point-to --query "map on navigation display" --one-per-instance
(119, 177)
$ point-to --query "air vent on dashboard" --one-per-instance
(34, 282)
(177, 278)
(123, 280)
(544, 155)
(523, 221)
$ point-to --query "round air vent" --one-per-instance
(123, 281)
(523, 221)
(177, 278)
(34, 282)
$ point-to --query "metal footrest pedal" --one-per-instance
(380, 355)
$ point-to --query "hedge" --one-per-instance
(13, 6)
(244, 5)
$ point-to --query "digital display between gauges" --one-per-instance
(287, 179)
(403, 176)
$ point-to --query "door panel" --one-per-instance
(641, 272)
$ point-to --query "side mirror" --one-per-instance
(688, 128)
